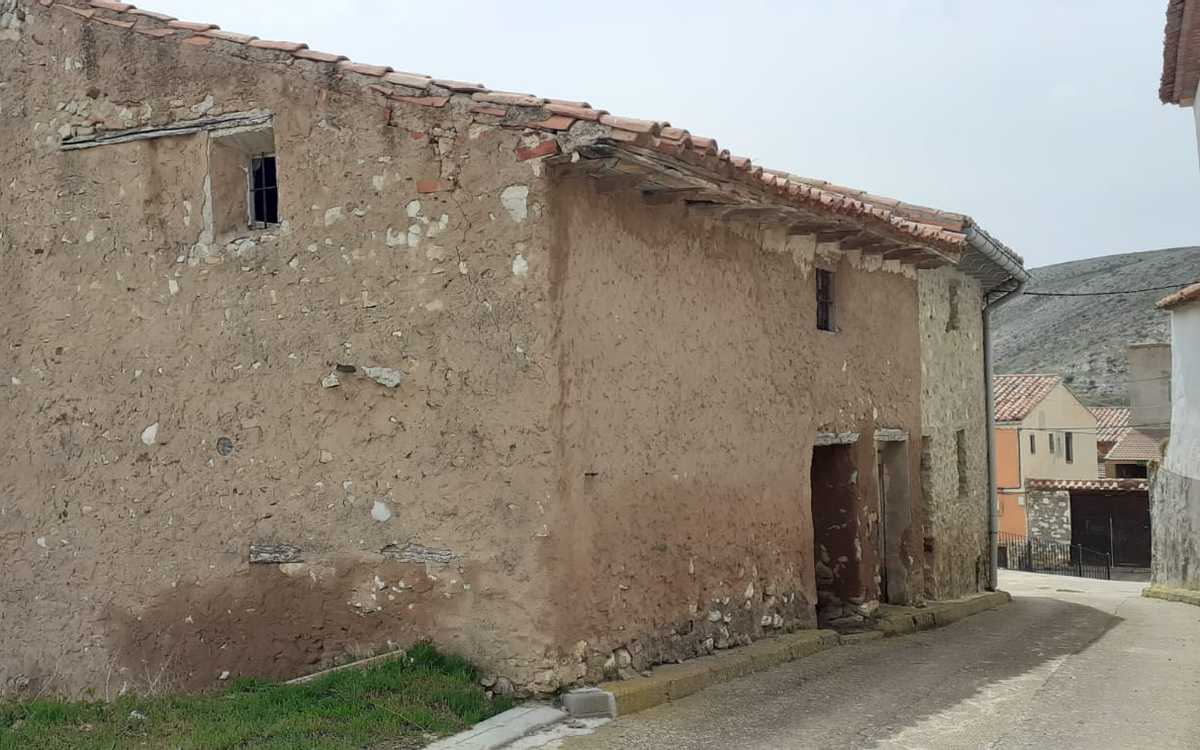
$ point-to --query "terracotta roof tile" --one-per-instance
(941, 233)
(86, 13)
(1136, 445)
(114, 22)
(374, 71)
(487, 109)
(192, 26)
(109, 5)
(573, 110)
(277, 45)
(461, 87)
(1182, 297)
(1119, 486)
(506, 97)
(412, 80)
(555, 122)
(1017, 395)
(1112, 422)
(315, 56)
(229, 36)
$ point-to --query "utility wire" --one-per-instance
(1109, 294)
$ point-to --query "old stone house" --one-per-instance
(306, 358)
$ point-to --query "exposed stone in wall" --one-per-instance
(12, 19)
(1049, 514)
(952, 399)
(1175, 510)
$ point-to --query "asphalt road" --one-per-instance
(1070, 663)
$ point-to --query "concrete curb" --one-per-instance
(502, 729)
(939, 614)
(674, 681)
(1185, 596)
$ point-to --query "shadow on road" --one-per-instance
(859, 696)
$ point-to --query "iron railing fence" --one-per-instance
(1037, 555)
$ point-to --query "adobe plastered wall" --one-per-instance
(162, 403)
(1175, 491)
(693, 381)
(952, 399)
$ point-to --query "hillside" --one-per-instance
(1084, 338)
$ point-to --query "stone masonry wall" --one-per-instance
(370, 383)
(953, 400)
(1049, 514)
(693, 383)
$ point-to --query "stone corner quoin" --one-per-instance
(315, 360)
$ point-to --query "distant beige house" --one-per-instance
(1042, 432)
(1123, 450)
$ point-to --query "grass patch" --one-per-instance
(403, 703)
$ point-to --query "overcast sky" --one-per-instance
(1039, 118)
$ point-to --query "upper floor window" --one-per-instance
(1033, 443)
(1069, 446)
(1052, 443)
(825, 300)
(264, 191)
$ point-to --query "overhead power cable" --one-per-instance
(1110, 294)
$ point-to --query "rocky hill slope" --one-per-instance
(1084, 338)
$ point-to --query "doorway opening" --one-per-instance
(836, 552)
(895, 513)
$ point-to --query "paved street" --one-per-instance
(1071, 663)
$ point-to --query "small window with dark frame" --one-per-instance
(952, 314)
(1069, 446)
(825, 300)
(264, 191)
(960, 461)
(1052, 443)
(1033, 444)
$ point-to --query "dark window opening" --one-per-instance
(824, 300)
(960, 456)
(1033, 445)
(1131, 471)
(264, 191)
(1052, 442)
(1069, 446)
(952, 317)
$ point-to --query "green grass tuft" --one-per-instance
(400, 703)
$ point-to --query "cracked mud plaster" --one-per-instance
(211, 330)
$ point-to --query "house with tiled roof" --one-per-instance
(310, 357)
(1042, 432)
(1175, 494)
(1124, 451)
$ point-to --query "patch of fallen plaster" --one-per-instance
(380, 511)
(334, 215)
(385, 376)
(395, 238)
(515, 199)
(520, 266)
(150, 434)
(12, 18)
